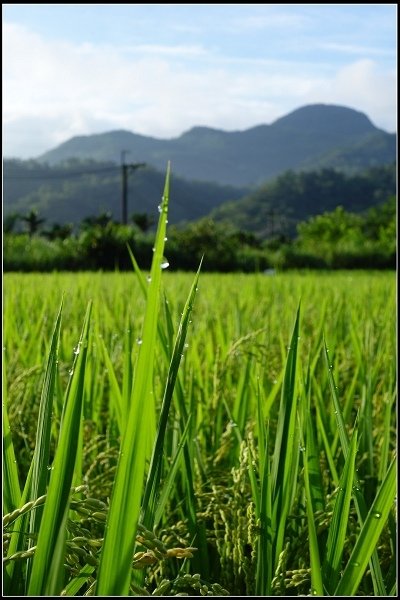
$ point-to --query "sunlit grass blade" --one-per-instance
(388, 407)
(114, 573)
(167, 487)
(264, 569)
(14, 581)
(338, 527)
(369, 534)
(315, 561)
(79, 581)
(326, 444)
(154, 475)
(376, 571)
(115, 392)
(127, 378)
(46, 575)
(313, 489)
(11, 487)
(41, 455)
(286, 450)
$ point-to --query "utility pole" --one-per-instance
(125, 170)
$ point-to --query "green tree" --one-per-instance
(10, 222)
(59, 232)
(33, 222)
(143, 221)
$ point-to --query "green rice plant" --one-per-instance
(219, 444)
(115, 572)
(361, 507)
(12, 490)
(369, 534)
(151, 491)
(286, 448)
(47, 567)
(338, 528)
(313, 489)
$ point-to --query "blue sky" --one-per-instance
(161, 69)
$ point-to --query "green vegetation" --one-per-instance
(277, 207)
(334, 240)
(199, 434)
(76, 189)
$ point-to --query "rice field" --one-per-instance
(199, 434)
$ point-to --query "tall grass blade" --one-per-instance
(114, 573)
(11, 487)
(376, 571)
(46, 573)
(115, 395)
(154, 475)
(313, 490)
(167, 487)
(41, 455)
(369, 534)
(338, 527)
(264, 545)
(14, 581)
(286, 451)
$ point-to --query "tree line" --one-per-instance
(337, 239)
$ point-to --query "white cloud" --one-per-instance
(53, 90)
(364, 86)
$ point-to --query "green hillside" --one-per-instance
(311, 136)
(278, 206)
(78, 189)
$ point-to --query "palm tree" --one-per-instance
(143, 221)
(33, 222)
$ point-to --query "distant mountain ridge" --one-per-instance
(310, 137)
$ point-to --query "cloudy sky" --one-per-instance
(159, 70)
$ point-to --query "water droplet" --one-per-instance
(166, 220)
(165, 239)
(377, 515)
(76, 350)
(153, 249)
(148, 278)
(159, 207)
(139, 341)
(186, 345)
(165, 264)
(302, 448)
(354, 563)
(71, 371)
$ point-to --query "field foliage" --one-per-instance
(172, 433)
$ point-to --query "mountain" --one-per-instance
(310, 137)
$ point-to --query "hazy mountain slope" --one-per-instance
(311, 135)
(62, 195)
